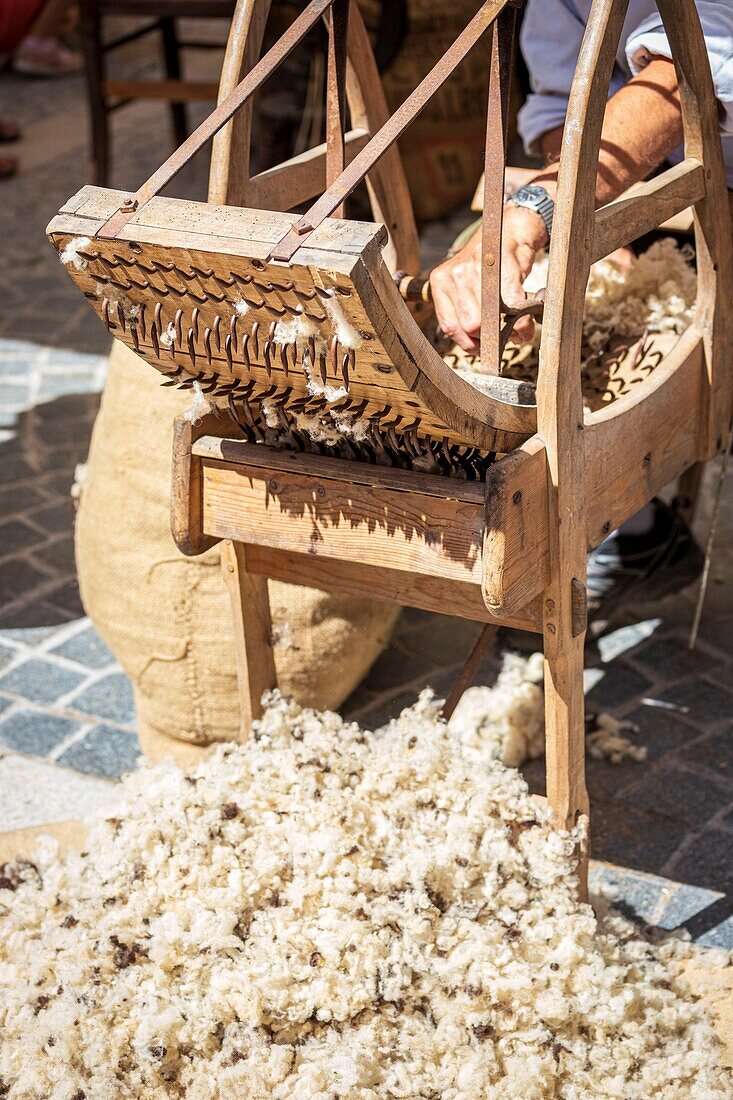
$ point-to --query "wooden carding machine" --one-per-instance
(335, 467)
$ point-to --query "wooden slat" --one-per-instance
(651, 203)
(182, 217)
(244, 454)
(518, 177)
(361, 524)
(187, 485)
(175, 91)
(252, 634)
(296, 180)
(516, 538)
(384, 584)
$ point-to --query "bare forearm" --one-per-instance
(642, 125)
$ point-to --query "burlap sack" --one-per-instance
(167, 617)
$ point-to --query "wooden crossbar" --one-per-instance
(647, 206)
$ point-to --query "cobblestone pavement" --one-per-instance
(67, 724)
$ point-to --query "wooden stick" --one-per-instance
(464, 679)
(252, 633)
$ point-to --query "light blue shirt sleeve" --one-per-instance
(716, 17)
(552, 32)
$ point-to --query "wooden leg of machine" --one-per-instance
(252, 633)
(567, 796)
(688, 491)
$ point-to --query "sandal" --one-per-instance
(9, 131)
(45, 57)
(8, 167)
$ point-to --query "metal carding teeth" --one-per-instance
(135, 337)
(212, 385)
(141, 320)
(322, 368)
(334, 355)
(154, 339)
(105, 313)
(173, 376)
(178, 326)
(121, 317)
(191, 346)
(268, 364)
(284, 358)
(345, 360)
(228, 350)
(207, 344)
(195, 323)
(158, 316)
(256, 339)
(234, 413)
(269, 308)
(233, 331)
(217, 334)
(245, 350)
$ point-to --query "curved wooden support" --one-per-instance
(560, 412)
(661, 421)
(229, 175)
(713, 235)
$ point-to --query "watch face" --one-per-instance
(527, 196)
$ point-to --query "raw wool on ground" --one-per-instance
(608, 741)
(507, 720)
(327, 913)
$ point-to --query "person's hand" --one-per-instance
(456, 283)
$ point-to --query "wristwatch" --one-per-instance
(536, 198)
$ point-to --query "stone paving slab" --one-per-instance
(66, 717)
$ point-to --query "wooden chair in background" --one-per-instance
(107, 95)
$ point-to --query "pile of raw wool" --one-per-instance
(655, 294)
(507, 721)
(329, 913)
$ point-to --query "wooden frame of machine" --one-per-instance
(281, 317)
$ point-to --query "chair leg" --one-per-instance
(172, 59)
(565, 735)
(91, 41)
(252, 633)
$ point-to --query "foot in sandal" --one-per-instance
(9, 131)
(45, 57)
